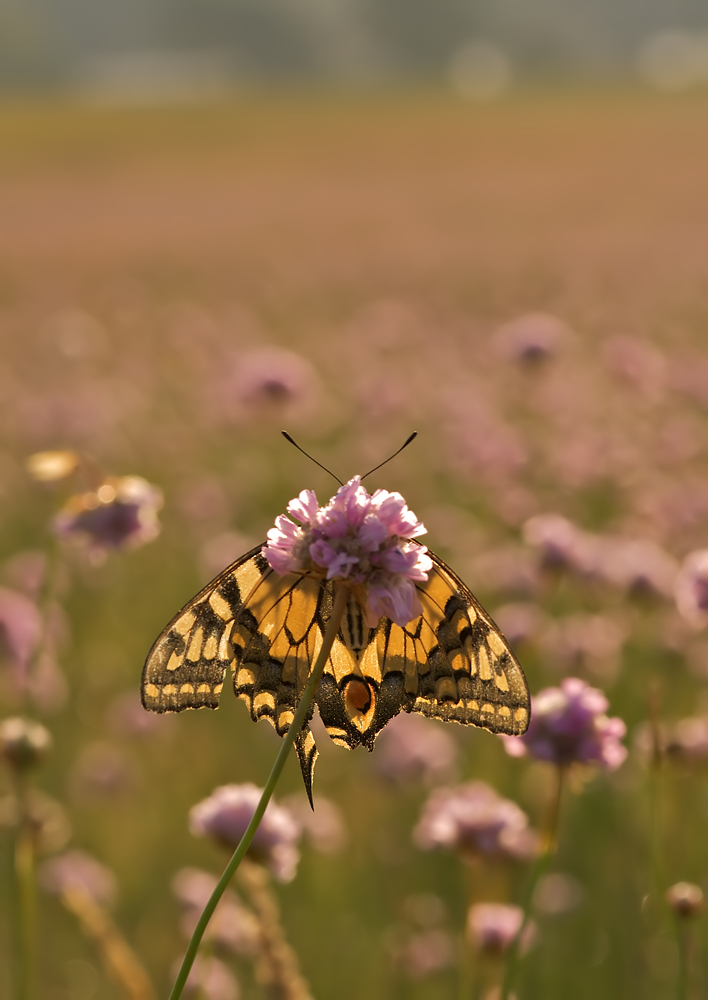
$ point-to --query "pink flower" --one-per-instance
(494, 926)
(473, 819)
(227, 812)
(358, 537)
(569, 725)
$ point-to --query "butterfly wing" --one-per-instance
(456, 664)
(450, 663)
(268, 628)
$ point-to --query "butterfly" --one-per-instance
(451, 663)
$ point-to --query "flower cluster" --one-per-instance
(473, 819)
(362, 539)
(569, 725)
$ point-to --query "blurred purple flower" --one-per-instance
(366, 540)
(531, 338)
(492, 927)
(569, 725)
(121, 513)
(639, 566)
(691, 589)
(473, 819)
(226, 813)
(412, 748)
(78, 871)
(324, 826)
(269, 381)
(559, 543)
(232, 926)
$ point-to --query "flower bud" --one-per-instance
(23, 743)
(685, 899)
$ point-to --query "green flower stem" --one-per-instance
(25, 893)
(682, 941)
(341, 596)
(548, 849)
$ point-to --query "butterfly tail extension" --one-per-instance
(307, 754)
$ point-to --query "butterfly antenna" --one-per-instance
(404, 445)
(293, 442)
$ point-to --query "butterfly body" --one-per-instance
(450, 663)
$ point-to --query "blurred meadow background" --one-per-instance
(354, 221)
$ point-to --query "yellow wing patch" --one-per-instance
(452, 663)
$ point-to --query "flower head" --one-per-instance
(227, 812)
(23, 743)
(77, 871)
(569, 725)
(493, 926)
(360, 538)
(121, 513)
(473, 819)
(685, 899)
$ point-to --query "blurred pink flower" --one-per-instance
(232, 926)
(530, 338)
(20, 633)
(492, 927)
(269, 381)
(473, 819)
(559, 543)
(425, 952)
(569, 725)
(361, 538)
(211, 978)
(691, 589)
(412, 748)
(639, 566)
(121, 513)
(226, 813)
(77, 870)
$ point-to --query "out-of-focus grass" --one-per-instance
(145, 255)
